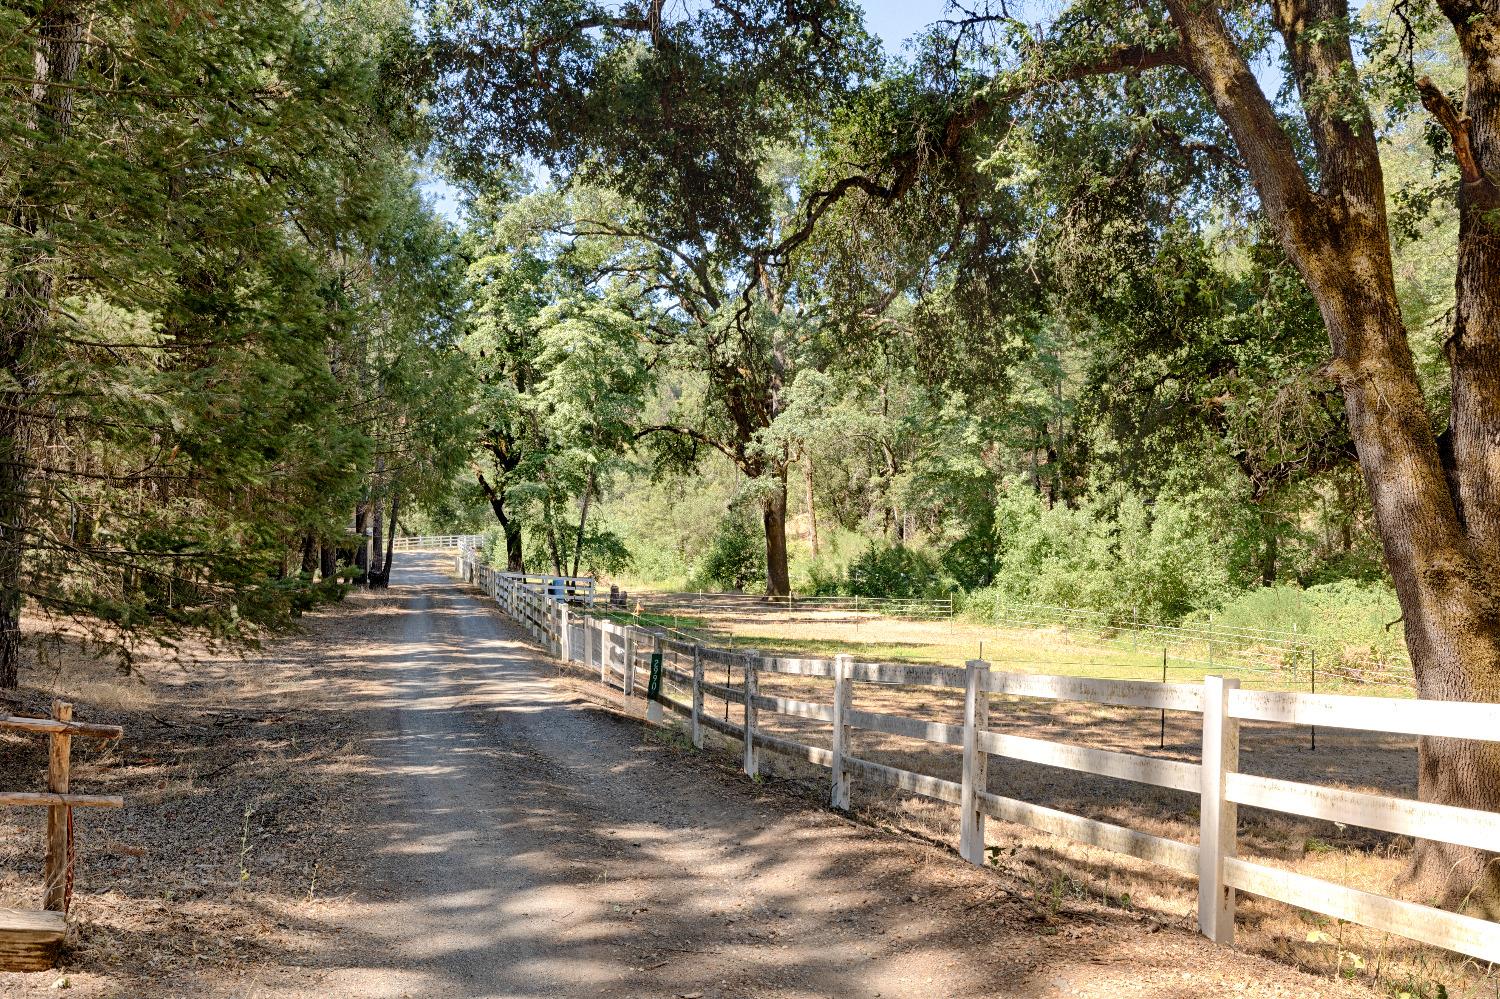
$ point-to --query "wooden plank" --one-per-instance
(799, 667)
(917, 676)
(1451, 719)
(1477, 938)
(1125, 766)
(24, 799)
(696, 714)
(50, 726)
(790, 706)
(912, 728)
(1420, 819)
(676, 676)
(728, 693)
(1181, 857)
(752, 758)
(842, 690)
(717, 724)
(931, 787)
(32, 924)
(30, 941)
(1120, 693)
(791, 747)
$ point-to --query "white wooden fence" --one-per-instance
(572, 634)
(433, 542)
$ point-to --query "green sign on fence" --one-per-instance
(653, 687)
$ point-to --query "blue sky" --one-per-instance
(897, 20)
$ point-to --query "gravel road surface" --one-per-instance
(530, 841)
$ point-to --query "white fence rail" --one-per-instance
(615, 649)
(433, 542)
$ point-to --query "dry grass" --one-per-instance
(213, 878)
(951, 642)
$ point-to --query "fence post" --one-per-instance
(752, 758)
(1217, 816)
(55, 874)
(629, 660)
(976, 763)
(843, 691)
(653, 708)
(567, 633)
(588, 641)
(697, 696)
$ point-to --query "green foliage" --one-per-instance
(1343, 619)
(735, 558)
(237, 306)
(897, 571)
(1118, 556)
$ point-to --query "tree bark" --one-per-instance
(377, 527)
(515, 560)
(583, 521)
(361, 548)
(390, 538)
(1431, 525)
(309, 563)
(328, 560)
(773, 516)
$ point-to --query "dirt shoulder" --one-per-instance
(408, 800)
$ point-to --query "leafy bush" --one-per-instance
(1113, 554)
(897, 571)
(736, 558)
(1347, 619)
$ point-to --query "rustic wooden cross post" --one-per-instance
(55, 871)
(843, 699)
(976, 767)
(697, 696)
(1217, 815)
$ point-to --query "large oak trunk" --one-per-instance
(1433, 520)
(1446, 591)
(773, 515)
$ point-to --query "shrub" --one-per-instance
(897, 571)
(736, 557)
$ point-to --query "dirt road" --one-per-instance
(408, 800)
(528, 843)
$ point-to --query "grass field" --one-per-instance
(1011, 648)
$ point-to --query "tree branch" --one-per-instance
(1455, 124)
